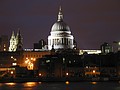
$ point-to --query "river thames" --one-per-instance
(61, 86)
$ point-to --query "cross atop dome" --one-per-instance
(60, 15)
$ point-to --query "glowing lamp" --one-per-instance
(11, 72)
(67, 74)
(67, 82)
(40, 74)
(94, 71)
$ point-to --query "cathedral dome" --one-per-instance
(60, 37)
(60, 26)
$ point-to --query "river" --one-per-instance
(61, 86)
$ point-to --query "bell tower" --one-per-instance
(13, 43)
(19, 41)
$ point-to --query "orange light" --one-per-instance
(26, 61)
(30, 84)
(10, 84)
(67, 82)
(34, 59)
(94, 83)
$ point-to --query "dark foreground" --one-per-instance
(61, 86)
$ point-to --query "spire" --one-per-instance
(18, 33)
(19, 41)
(18, 37)
(12, 46)
(13, 35)
(60, 15)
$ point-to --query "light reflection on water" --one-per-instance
(61, 86)
(93, 83)
(67, 82)
(30, 84)
(10, 84)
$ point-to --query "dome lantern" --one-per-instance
(60, 15)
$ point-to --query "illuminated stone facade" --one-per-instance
(60, 37)
(16, 42)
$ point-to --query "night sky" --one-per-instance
(92, 22)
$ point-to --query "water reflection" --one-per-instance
(30, 84)
(93, 83)
(61, 86)
(67, 82)
(10, 84)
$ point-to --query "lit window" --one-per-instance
(4, 45)
(47, 61)
(63, 60)
(69, 61)
(67, 74)
(4, 49)
(86, 66)
(14, 64)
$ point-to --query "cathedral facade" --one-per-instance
(60, 36)
(16, 42)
